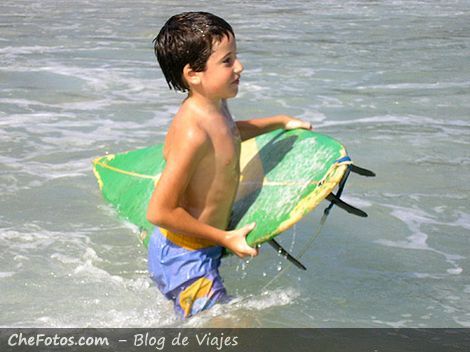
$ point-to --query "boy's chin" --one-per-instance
(232, 94)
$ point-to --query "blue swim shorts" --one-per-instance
(186, 270)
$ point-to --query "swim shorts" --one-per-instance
(186, 270)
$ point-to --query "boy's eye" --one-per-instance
(230, 58)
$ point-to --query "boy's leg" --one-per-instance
(200, 294)
(190, 278)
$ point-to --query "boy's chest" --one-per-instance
(227, 147)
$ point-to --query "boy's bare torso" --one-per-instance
(213, 185)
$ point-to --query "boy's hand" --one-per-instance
(292, 123)
(235, 240)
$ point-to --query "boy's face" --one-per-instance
(221, 77)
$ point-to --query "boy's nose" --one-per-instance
(238, 67)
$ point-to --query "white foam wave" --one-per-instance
(26, 50)
(431, 159)
(415, 219)
(22, 240)
(417, 86)
(357, 202)
(24, 103)
(413, 120)
(463, 220)
(241, 308)
(6, 274)
(463, 323)
(271, 298)
(42, 172)
(394, 324)
(109, 313)
(65, 259)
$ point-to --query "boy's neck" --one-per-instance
(206, 103)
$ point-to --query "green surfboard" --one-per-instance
(284, 175)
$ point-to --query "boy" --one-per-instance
(192, 201)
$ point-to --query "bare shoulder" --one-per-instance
(185, 134)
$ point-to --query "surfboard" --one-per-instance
(284, 175)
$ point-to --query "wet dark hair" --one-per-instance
(187, 38)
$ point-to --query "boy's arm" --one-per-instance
(164, 207)
(252, 128)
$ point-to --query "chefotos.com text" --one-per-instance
(19, 339)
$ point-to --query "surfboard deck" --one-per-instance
(284, 175)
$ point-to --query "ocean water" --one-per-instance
(389, 79)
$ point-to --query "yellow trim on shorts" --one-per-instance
(187, 242)
(198, 289)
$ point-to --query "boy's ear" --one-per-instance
(191, 76)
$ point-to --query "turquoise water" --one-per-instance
(390, 79)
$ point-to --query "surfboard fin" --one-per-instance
(286, 254)
(361, 171)
(345, 206)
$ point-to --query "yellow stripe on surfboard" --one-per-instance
(265, 181)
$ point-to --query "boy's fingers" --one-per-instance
(248, 228)
(253, 252)
(293, 124)
(307, 125)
